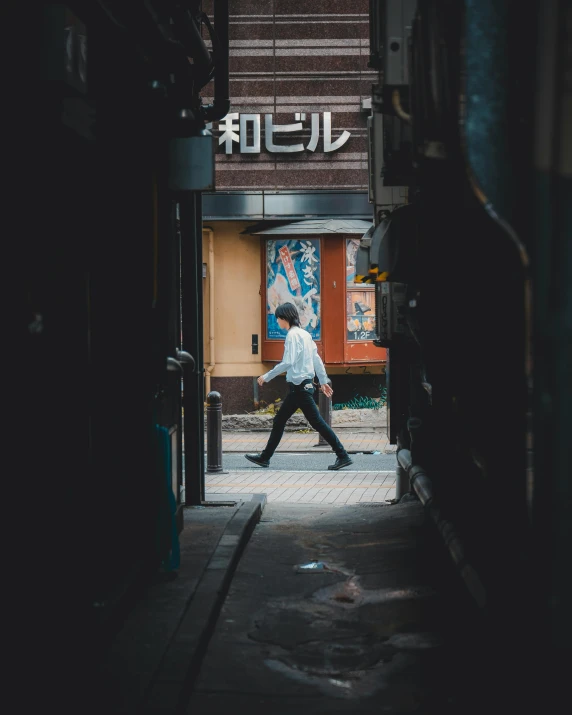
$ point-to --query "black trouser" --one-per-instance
(298, 397)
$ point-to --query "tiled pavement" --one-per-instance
(337, 488)
(305, 487)
(353, 441)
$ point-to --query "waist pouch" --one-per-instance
(304, 386)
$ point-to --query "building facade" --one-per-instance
(292, 199)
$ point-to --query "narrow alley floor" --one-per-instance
(300, 588)
(280, 607)
(352, 609)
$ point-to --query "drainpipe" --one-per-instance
(423, 487)
(210, 367)
(221, 104)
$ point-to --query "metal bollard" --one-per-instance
(325, 408)
(214, 433)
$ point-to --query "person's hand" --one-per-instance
(260, 380)
(327, 390)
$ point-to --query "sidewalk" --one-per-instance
(159, 649)
(354, 440)
(336, 488)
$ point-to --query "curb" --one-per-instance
(174, 680)
(303, 450)
(388, 449)
(358, 429)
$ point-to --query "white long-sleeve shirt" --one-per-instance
(300, 360)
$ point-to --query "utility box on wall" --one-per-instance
(191, 163)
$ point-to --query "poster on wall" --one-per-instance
(360, 300)
(293, 276)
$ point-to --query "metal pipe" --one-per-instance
(403, 485)
(422, 484)
(401, 113)
(169, 55)
(221, 104)
(188, 33)
(404, 459)
(402, 482)
(154, 41)
(174, 365)
(211, 269)
(185, 358)
(414, 427)
(192, 318)
(424, 489)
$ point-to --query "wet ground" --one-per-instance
(340, 610)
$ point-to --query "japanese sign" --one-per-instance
(289, 268)
(244, 130)
(293, 276)
(360, 302)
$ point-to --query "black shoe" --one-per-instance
(257, 459)
(341, 462)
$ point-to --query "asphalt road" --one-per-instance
(307, 461)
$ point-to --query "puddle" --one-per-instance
(415, 641)
(330, 658)
(354, 684)
(350, 594)
(360, 682)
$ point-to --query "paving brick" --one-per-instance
(367, 495)
(323, 495)
(305, 487)
(343, 496)
(292, 441)
(280, 494)
(296, 496)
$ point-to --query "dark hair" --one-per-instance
(289, 313)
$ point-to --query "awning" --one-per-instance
(312, 226)
(286, 206)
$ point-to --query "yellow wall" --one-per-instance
(237, 304)
(237, 300)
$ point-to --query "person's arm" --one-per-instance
(287, 360)
(319, 368)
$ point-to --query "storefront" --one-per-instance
(250, 270)
(291, 201)
(314, 268)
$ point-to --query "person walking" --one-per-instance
(300, 363)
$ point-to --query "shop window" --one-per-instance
(317, 275)
(360, 300)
